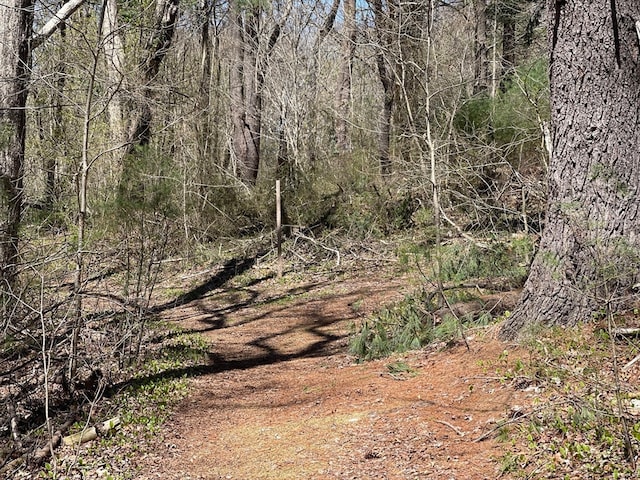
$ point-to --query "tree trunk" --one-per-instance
(57, 126)
(343, 98)
(115, 59)
(481, 60)
(156, 48)
(588, 252)
(385, 73)
(251, 54)
(245, 138)
(508, 44)
(16, 22)
(327, 26)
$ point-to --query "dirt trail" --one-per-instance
(280, 398)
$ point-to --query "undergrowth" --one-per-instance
(409, 324)
(421, 318)
(143, 406)
(577, 430)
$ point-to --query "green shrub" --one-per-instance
(407, 325)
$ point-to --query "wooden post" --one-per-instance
(279, 227)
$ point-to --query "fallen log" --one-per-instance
(88, 434)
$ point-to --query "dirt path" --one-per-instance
(280, 398)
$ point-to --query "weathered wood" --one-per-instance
(92, 433)
(626, 332)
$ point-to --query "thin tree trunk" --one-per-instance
(481, 61)
(343, 98)
(508, 47)
(204, 94)
(326, 28)
(83, 177)
(590, 248)
(115, 60)
(388, 85)
(57, 127)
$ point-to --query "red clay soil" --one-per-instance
(281, 398)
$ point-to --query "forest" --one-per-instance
(157, 153)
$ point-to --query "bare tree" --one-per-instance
(384, 39)
(156, 48)
(481, 48)
(115, 59)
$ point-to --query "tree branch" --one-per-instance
(47, 30)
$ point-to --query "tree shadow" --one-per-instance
(324, 344)
(217, 317)
(230, 269)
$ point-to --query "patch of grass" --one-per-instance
(406, 325)
(400, 370)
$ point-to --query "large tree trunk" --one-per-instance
(589, 249)
(16, 20)
(245, 138)
(251, 53)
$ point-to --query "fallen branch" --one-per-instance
(43, 453)
(626, 332)
(91, 433)
(631, 363)
(452, 427)
(315, 242)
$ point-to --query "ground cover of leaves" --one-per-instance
(278, 396)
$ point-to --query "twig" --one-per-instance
(628, 445)
(315, 242)
(631, 363)
(459, 320)
(462, 233)
(452, 427)
(501, 424)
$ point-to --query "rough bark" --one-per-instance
(251, 53)
(589, 248)
(16, 22)
(157, 46)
